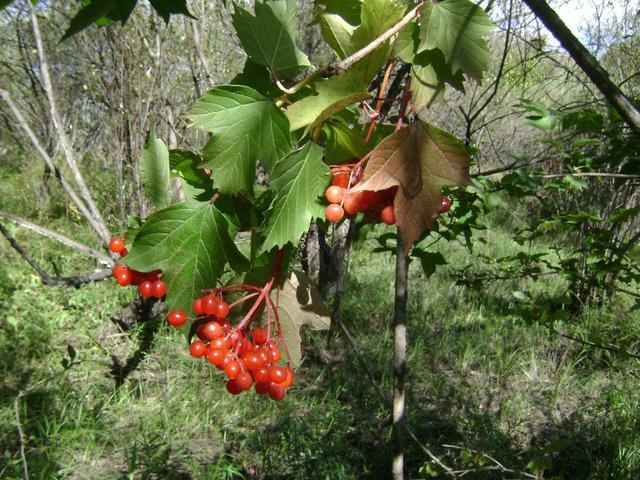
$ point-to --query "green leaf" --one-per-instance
(348, 10)
(191, 243)
(196, 183)
(299, 304)
(166, 8)
(342, 143)
(332, 95)
(122, 11)
(269, 37)
(430, 74)
(406, 44)
(541, 117)
(87, 16)
(298, 182)
(4, 4)
(154, 170)
(257, 77)
(377, 16)
(457, 28)
(246, 128)
(337, 32)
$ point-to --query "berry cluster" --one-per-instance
(377, 206)
(149, 284)
(246, 356)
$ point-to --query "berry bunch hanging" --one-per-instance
(149, 284)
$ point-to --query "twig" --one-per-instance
(45, 232)
(613, 349)
(497, 465)
(25, 467)
(345, 64)
(590, 174)
(65, 143)
(77, 281)
(22, 123)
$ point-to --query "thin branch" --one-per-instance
(65, 143)
(23, 456)
(608, 348)
(497, 466)
(345, 64)
(45, 232)
(78, 202)
(76, 281)
(590, 174)
(587, 62)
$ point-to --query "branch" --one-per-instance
(77, 281)
(103, 230)
(101, 257)
(497, 466)
(587, 62)
(345, 64)
(590, 174)
(78, 202)
(23, 456)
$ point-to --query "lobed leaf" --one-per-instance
(457, 28)
(191, 243)
(419, 160)
(298, 181)
(247, 128)
(299, 304)
(269, 37)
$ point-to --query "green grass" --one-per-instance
(480, 377)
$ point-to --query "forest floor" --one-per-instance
(96, 400)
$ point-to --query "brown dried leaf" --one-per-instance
(420, 160)
(300, 303)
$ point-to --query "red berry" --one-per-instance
(136, 277)
(200, 332)
(197, 349)
(177, 318)
(153, 276)
(276, 392)
(212, 330)
(275, 354)
(233, 388)
(225, 324)
(253, 360)
(244, 380)
(278, 374)
(197, 307)
(245, 346)
(232, 368)
(146, 289)
(262, 388)
(341, 179)
(334, 194)
(209, 304)
(222, 309)
(259, 335)
(387, 215)
(289, 380)
(334, 213)
(445, 205)
(116, 245)
(159, 289)
(353, 203)
(124, 253)
(122, 274)
(215, 356)
(261, 375)
(222, 343)
(265, 355)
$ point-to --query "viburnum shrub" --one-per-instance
(345, 141)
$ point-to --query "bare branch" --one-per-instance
(65, 143)
(4, 95)
(76, 281)
(587, 62)
(23, 456)
(590, 174)
(45, 232)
